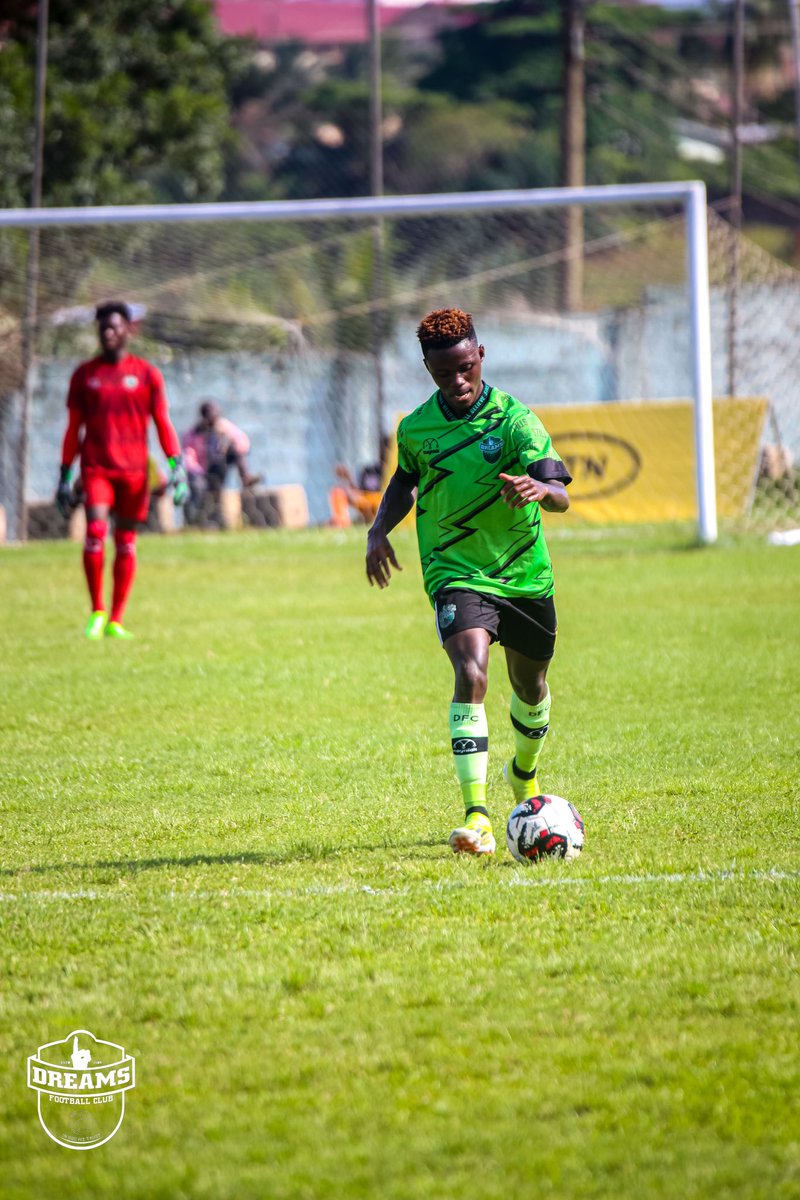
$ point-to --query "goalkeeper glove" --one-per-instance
(64, 493)
(177, 480)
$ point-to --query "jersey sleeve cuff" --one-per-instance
(409, 478)
(549, 470)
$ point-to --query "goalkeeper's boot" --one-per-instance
(115, 630)
(95, 625)
(522, 783)
(474, 836)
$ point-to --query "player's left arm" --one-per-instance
(168, 437)
(545, 477)
(519, 490)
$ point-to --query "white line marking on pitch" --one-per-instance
(442, 885)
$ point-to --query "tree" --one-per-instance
(137, 102)
(515, 55)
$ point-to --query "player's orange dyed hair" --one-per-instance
(445, 327)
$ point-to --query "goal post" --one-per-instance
(205, 261)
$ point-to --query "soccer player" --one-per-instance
(111, 400)
(483, 466)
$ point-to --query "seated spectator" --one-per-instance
(210, 449)
(362, 496)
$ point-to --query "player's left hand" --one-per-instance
(178, 481)
(519, 490)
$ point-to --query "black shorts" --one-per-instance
(526, 625)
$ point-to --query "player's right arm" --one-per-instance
(69, 447)
(398, 499)
(71, 443)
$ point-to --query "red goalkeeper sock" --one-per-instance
(124, 571)
(93, 560)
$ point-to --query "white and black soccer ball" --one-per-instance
(545, 827)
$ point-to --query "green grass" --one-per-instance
(225, 848)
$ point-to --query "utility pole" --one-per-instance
(32, 274)
(735, 213)
(375, 102)
(794, 15)
(376, 189)
(573, 148)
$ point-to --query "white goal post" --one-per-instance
(691, 196)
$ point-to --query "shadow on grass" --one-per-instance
(295, 854)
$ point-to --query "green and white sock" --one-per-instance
(531, 723)
(469, 738)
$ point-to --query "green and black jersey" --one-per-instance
(468, 536)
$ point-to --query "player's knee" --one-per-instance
(531, 689)
(125, 541)
(96, 531)
(471, 678)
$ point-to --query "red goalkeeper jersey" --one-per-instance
(113, 403)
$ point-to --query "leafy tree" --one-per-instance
(137, 102)
(515, 55)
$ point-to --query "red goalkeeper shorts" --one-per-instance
(128, 496)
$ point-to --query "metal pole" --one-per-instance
(500, 200)
(376, 189)
(735, 215)
(697, 249)
(32, 279)
(375, 106)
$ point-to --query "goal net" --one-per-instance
(299, 320)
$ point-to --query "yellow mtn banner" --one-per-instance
(636, 461)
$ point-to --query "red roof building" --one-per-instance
(320, 22)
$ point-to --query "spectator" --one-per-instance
(363, 495)
(210, 449)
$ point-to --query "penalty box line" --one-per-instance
(444, 885)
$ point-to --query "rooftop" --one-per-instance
(319, 22)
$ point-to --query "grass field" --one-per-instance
(225, 848)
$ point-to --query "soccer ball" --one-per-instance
(545, 827)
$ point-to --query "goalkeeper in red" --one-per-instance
(111, 400)
(483, 467)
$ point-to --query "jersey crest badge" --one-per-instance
(491, 448)
(130, 382)
(447, 614)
